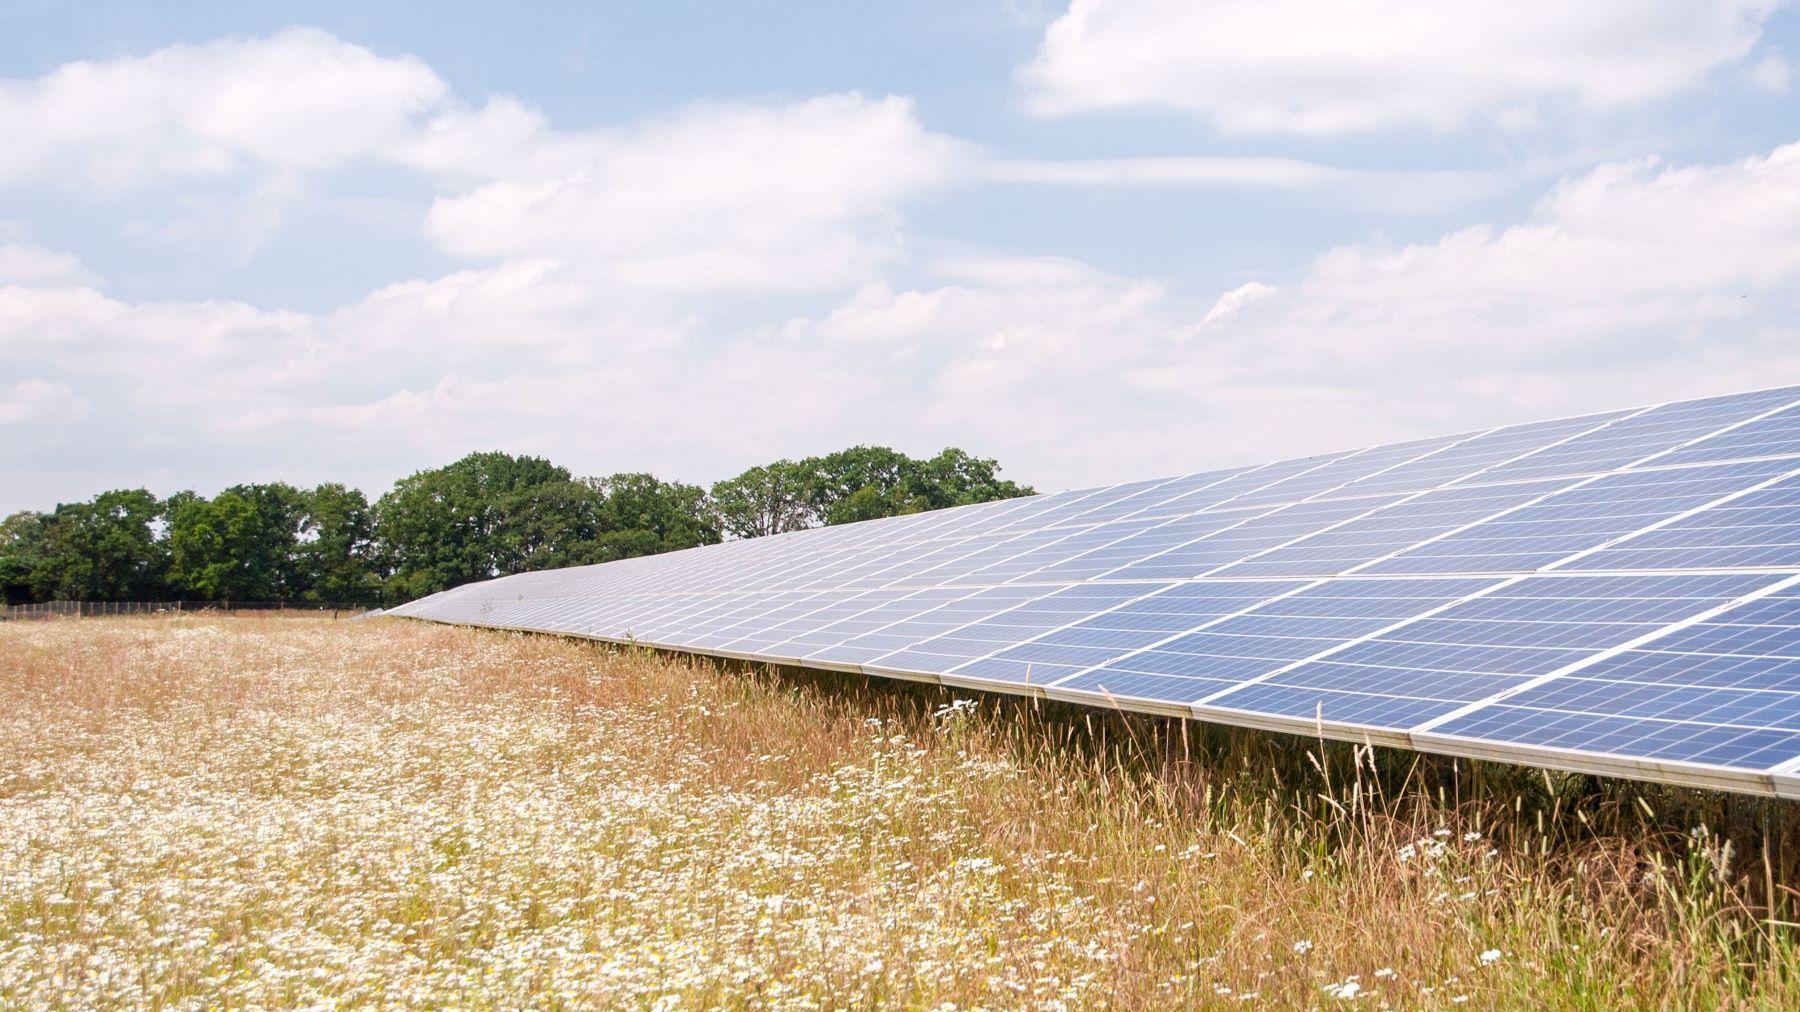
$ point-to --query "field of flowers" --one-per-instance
(295, 811)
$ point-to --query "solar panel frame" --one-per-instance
(928, 596)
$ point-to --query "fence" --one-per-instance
(95, 609)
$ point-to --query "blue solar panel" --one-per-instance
(1641, 437)
(1497, 641)
(1581, 518)
(1250, 536)
(1469, 460)
(1605, 593)
(1059, 653)
(1759, 529)
(1393, 528)
(1163, 535)
(1737, 672)
(1775, 435)
(1224, 652)
(955, 647)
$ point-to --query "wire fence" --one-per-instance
(97, 609)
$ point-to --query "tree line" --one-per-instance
(486, 515)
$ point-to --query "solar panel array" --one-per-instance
(1617, 593)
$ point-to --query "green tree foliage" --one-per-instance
(453, 524)
(21, 555)
(765, 500)
(241, 545)
(104, 550)
(860, 483)
(485, 515)
(336, 551)
(642, 515)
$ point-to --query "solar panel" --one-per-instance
(1617, 593)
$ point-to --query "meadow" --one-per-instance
(203, 811)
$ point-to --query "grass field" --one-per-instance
(298, 811)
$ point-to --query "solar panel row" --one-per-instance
(1617, 593)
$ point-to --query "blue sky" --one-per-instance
(345, 241)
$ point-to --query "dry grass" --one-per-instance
(197, 812)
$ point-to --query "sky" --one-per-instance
(1101, 241)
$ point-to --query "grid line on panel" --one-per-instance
(1135, 514)
(905, 595)
(901, 555)
(913, 617)
(1406, 622)
(1600, 655)
(1304, 586)
(1141, 511)
(1151, 487)
(1481, 592)
(1172, 638)
(1159, 589)
(1274, 510)
(1158, 586)
(1652, 435)
(1271, 548)
(1723, 430)
(1467, 479)
(1676, 518)
(953, 630)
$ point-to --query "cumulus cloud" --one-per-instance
(1631, 283)
(584, 324)
(1294, 66)
(300, 98)
(1237, 299)
(36, 400)
(793, 196)
(29, 264)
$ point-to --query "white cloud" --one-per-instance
(1771, 74)
(40, 401)
(795, 196)
(1632, 283)
(28, 264)
(1293, 65)
(1236, 299)
(1400, 191)
(586, 325)
(298, 99)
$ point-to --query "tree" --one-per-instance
(21, 554)
(862, 483)
(765, 500)
(458, 523)
(337, 546)
(642, 515)
(954, 478)
(241, 545)
(103, 550)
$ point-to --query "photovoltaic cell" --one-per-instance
(1582, 517)
(1618, 592)
(1150, 618)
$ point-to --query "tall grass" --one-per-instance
(251, 811)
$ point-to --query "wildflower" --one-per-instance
(1490, 957)
(1471, 837)
(1303, 946)
(1348, 989)
(1384, 973)
(955, 709)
